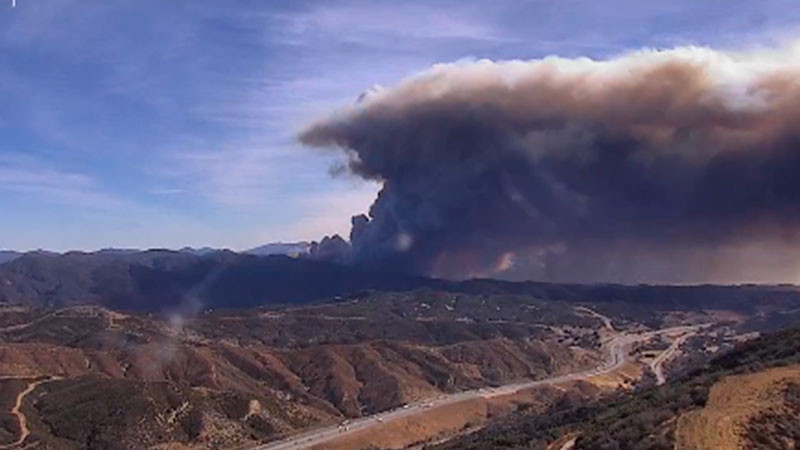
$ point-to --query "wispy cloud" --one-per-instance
(322, 214)
(269, 191)
(166, 191)
(72, 210)
(25, 176)
(238, 177)
(383, 23)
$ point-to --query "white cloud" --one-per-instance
(229, 177)
(324, 214)
(373, 23)
(28, 177)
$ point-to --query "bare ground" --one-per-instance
(627, 374)
(442, 423)
(731, 403)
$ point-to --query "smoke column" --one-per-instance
(656, 166)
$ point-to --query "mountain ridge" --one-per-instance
(164, 280)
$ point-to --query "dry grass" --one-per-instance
(441, 422)
(732, 401)
(419, 427)
(624, 377)
(447, 421)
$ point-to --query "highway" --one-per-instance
(617, 352)
(657, 365)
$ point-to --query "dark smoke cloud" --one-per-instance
(657, 166)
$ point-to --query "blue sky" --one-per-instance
(138, 123)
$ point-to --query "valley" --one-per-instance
(269, 374)
(385, 367)
(616, 349)
(256, 378)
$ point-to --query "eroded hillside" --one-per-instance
(109, 380)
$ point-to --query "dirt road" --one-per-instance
(24, 432)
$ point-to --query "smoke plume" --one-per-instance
(660, 166)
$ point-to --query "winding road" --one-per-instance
(24, 431)
(657, 365)
(617, 347)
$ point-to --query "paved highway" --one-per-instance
(617, 352)
(657, 365)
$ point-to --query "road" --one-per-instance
(80, 310)
(657, 365)
(617, 352)
(24, 432)
(569, 445)
(605, 319)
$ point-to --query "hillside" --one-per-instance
(221, 350)
(168, 280)
(7, 255)
(225, 378)
(163, 280)
(745, 411)
(715, 406)
(110, 380)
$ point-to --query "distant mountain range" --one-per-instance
(10, 255)
(292, 249)
(7, 255)
(167, 280)
(164, 279)
(282, 248)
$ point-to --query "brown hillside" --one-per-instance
(732, 404)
